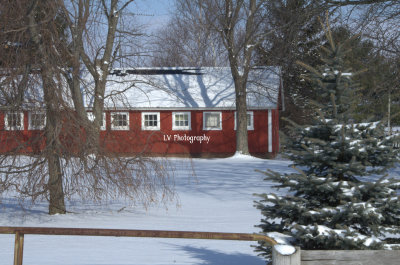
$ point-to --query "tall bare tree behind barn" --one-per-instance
(238, 26)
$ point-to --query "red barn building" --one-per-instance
(173, 111)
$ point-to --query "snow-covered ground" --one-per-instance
(218, 198)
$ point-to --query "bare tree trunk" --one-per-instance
(53, 145)
(240, 70)
(241, 120)
(98, 67)
(389, 113)
(55, 186)
(52, 100)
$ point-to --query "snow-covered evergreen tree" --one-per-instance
(335, 200)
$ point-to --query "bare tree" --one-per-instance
(184, 43)
(377, 19)
(237, 23)
(57, 41)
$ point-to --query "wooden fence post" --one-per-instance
(281, 258)
(18, 248)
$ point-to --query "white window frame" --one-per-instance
(31, 126)
(14, 128)
(184, 127)
(151, 128)
(205, 128)
(119, 128)
(103, 127)
(251, 126)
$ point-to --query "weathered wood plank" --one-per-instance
(18, 248)
(135, 233)
(350, 257)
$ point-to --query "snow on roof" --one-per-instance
(180, 88)
(169, 88)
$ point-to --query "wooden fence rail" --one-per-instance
(21, 231)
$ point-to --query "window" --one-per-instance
(120, 121)
(102, 121)
(37, 120)
(212, 121)
(181, 121)
(250, 120)
(14, 121)
(150, 121)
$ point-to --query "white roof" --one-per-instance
(186, 88)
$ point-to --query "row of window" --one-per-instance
(120, 121)
(15, 121)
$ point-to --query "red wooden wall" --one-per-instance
(136, 140)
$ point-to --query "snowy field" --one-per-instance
(219, 198)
